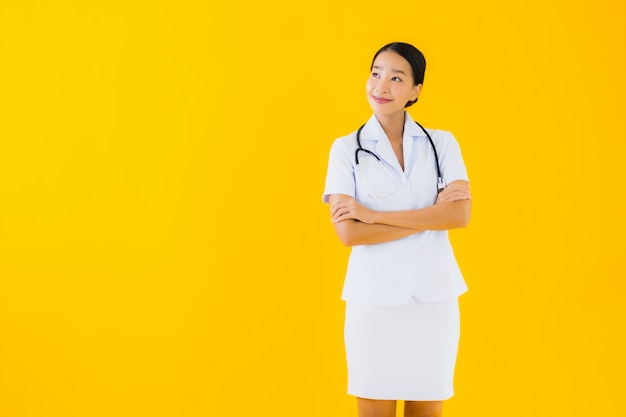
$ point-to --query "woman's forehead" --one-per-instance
(389, 60)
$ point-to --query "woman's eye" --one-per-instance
(396, 79)
(375, 74)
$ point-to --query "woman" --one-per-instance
(403, 282)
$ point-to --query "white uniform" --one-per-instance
(406, 275)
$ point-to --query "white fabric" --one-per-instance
(421, 266)
(402, 353)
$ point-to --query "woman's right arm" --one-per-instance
(353, 232)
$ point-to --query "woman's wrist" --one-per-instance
(377, 217)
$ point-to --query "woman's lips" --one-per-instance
(381, 100)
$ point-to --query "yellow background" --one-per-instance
(163, 246)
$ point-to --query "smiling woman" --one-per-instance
(401, 289)
(160, 254)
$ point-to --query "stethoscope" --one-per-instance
(440, 184)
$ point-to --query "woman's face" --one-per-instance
(390, 84)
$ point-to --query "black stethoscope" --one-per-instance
(440, 184)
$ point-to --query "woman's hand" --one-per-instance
(455, 191)
(348, 208)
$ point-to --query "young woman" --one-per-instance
(394, 190)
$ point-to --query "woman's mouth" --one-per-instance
(381, 100)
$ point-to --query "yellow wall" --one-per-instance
(163, 247)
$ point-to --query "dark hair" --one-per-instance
(413, 56)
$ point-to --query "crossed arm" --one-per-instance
(358, 225)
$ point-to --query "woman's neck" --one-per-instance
(393, 125)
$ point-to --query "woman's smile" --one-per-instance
(381, 100)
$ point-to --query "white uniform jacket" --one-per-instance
(420, 266)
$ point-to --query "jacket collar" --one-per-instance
(373, 137)
(373, 131)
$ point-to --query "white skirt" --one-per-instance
(402, 353)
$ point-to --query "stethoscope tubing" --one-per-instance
(360, 148)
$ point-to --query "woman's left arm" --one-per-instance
(451, 211)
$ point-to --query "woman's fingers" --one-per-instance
(454, 197)
(347, 209)
(339, 210)
(454, 192)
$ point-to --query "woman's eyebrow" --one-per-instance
(393, 70)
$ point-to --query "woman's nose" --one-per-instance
(382, 87)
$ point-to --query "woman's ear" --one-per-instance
(417, 89)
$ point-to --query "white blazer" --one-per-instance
(420, 266)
